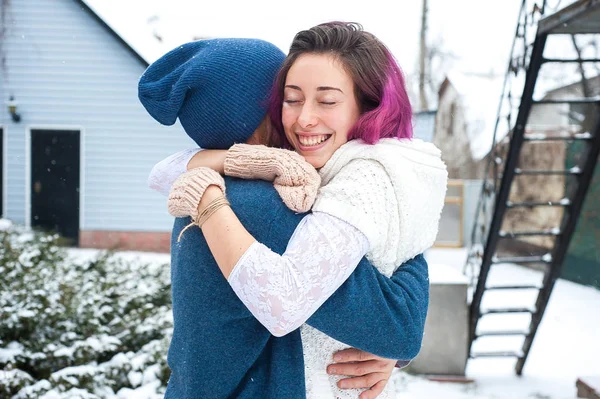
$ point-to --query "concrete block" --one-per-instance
(445, 343)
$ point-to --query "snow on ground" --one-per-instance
(566, 347)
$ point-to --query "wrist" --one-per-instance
(211, 193)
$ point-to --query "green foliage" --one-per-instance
(582, 264)
(77, 326)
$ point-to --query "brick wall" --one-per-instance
(126, 240)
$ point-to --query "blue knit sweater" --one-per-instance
(219, 350)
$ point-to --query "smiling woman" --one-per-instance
(352, 89)
(319, 107)
(339, 101)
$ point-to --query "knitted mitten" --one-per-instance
(187, 191)
(296, 181)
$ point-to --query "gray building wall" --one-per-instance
(471, 192)
(67, 71)
(424, 125)
(451, 135)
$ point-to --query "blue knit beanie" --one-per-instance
(218, 88)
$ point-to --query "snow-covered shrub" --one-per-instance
(79, 328)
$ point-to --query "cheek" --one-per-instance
(288, 117)
(287, 120)
(343, 123)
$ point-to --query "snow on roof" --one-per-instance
(140, 30)
(480, 93)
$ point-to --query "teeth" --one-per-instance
(312, 140)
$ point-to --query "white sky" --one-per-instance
(478, 32)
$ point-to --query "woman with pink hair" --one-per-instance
(340, 102)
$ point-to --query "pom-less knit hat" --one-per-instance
(218, 88)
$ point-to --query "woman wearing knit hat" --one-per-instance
(340, 102)
(218, 348)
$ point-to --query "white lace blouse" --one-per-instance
(283, 291)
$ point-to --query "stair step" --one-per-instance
(585, 100)
(557, 136)
(562, 202)
(496, 354)
(506, 310)
(512, 234)
(500, 333)
(547, 258)
(567, 60)
(513, 287)
(573, 171)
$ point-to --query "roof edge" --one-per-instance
(102, 22)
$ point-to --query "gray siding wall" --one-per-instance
(424, 125)
(67, 71)
(472, 192)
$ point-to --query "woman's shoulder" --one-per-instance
(352, 155)
(387, 154)
(404, 149)
(413, 144)
(361, 172)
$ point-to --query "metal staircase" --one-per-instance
(537, 23)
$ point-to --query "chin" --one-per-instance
(316, 162)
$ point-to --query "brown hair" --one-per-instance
(378, 80)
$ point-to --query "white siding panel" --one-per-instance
(66, 70)
(15, 173)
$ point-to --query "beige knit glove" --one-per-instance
(187, 190)
(296, 181)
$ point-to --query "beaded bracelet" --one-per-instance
(210, 209)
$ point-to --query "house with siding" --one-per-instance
(76, 144)
(467, 106)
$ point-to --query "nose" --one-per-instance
(307, 117)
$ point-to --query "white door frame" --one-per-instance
(81, 131)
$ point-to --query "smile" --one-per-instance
(312, 141)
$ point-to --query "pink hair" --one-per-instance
(392, 117)
(379, 82)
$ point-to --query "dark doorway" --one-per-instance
(55, 162)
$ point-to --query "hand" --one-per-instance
(367, 371)
(187, 192)
(296, 181)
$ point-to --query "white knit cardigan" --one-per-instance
(393, 192)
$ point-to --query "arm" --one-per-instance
(395, 329)
(401, 308)
(283, 291)
(264, 289)
(165, 172)
(214, 159)
(296, 289)
(294, 179)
